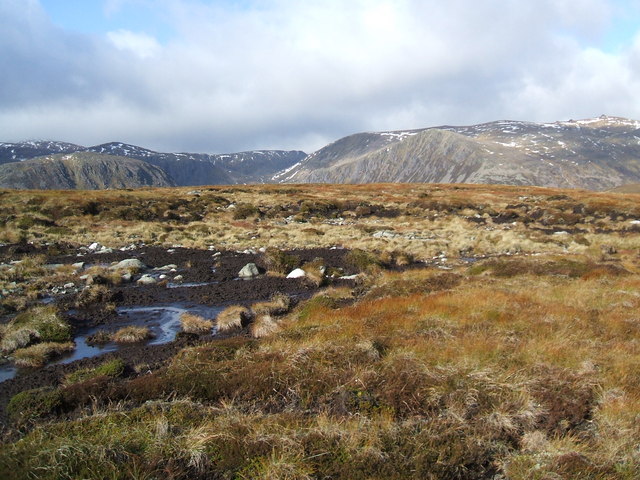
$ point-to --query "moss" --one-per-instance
(33, 404)
(113, 368)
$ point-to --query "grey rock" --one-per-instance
(126, 277)
(250, 270)
(129, 264)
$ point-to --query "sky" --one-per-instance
(222, 76)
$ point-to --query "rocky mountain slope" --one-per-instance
(16, 152)
(598, 154)
(181, 168)
(82, 170)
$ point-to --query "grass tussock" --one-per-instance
(263, 326)
(40, 354)
(38, 324)
(132, 334)
(233, 318)
(191, 323)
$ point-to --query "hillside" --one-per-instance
(596, 154)
(81, 170)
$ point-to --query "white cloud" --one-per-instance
(140, 44)
(290, 74)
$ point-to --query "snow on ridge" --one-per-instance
(397, 135)
(286, 170)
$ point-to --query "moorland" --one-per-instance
(437, 331)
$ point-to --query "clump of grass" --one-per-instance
(92, 296)
(38, 355)
(278, 261)
(263, 326)
(245, 210)
(32, 404)
(38, 324)
(315, 271)
(195, 324)
(101, 337)
(132, 334)
(362, 261)
(113, 368)
(397, 257)
(233, 318)
(279, 304)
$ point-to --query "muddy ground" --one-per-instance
(218, 272)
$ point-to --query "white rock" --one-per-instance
(78, 266)
(162, 277)
(69, 285)
(95, 246)
(126, 277)
(167, 268)
(297, 273)
(178, 278)
(147, 280)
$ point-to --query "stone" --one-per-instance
(68, 285)
(165, 268)
(78, 265)
(250, 270)
(126, 278)
(95, 246)
(129, 264)
(178, 278)
(147, 280)
(297, 273)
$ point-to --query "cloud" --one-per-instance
(140, 44)
(290, 74)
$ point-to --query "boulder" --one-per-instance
(129, 264)
(250, 270)
(147, 280)
(297, 273)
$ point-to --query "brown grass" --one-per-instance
(131, 334)
(263, 326)
(195, 324)
(40, 354)
(233, 318)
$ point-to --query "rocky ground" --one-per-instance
(180, 275)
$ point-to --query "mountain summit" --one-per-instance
(597, 154)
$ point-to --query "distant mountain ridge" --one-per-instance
(182, 169)
(82, 170)
(598, 154)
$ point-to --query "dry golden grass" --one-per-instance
(519, 366)
(191, 323)
(233, 318)
(263, 325)
(131, 334)
(38, 355)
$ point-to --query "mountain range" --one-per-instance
(599, 154)
(178, 169)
